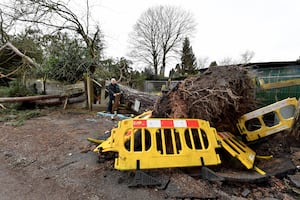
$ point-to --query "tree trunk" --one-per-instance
(147, 100)
(163, 67)
(155, 65)
(28, 98)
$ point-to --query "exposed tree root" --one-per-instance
(220, 95)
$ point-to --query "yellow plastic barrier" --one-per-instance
(268, 120)
(237, 149)
(162, 143)
(104, 145)
(144, 115)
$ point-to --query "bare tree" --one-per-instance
(145, 40)
(227, 61)
(247, 56)
(202, 62)
(158, 35)
(4, 37)
(54, 16)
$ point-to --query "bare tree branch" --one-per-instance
(23, 56)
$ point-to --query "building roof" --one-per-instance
(272, 64)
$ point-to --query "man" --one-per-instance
(113, 91)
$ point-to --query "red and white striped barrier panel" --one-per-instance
(166, 123)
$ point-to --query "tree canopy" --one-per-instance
(64, 43)
(54, 16)
(158, 34)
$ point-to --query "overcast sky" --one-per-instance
(225, 28)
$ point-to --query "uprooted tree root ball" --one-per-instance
(220, 95)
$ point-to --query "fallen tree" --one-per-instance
(146, 100)
(27, 98)
(220, 95)
(44, 100)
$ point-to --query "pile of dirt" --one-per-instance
(220, 95)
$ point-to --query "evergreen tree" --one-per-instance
(188, 59)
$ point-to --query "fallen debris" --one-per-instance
(2, 106)
(132, 97)
(28, 98)
(183, 186)
(295, 179)
(220, 95)
(52, 137)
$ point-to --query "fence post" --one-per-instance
(89, 91)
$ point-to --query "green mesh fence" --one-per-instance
(277, 75)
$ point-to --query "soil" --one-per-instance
(48, 157)
(220, 95)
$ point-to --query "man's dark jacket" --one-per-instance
(113, 88)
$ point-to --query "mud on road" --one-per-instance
(49, 158)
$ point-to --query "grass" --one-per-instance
(18, 117)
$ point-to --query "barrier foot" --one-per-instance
(210, 175)
(143, 179)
